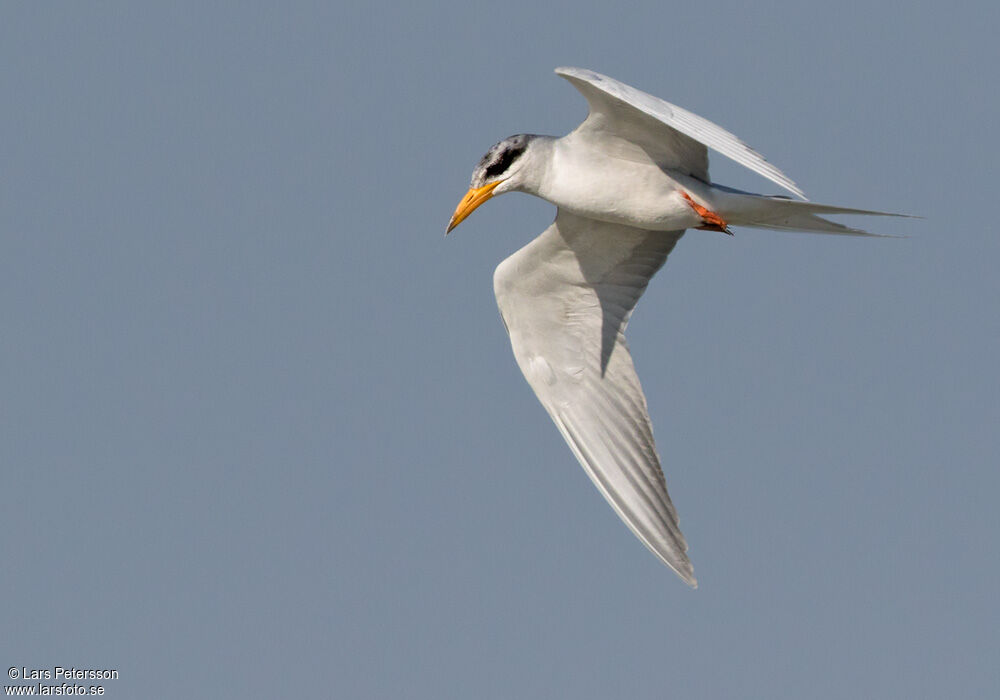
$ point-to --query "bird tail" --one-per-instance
(760, 211)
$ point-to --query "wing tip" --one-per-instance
(796, 190)
(687, 575)
(681, 566)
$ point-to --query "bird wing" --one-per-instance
(674, 137)
(565, 299)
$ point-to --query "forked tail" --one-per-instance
(783, 214)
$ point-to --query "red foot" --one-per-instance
(710, 221)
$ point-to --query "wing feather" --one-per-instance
(675, 137)
(566, 299)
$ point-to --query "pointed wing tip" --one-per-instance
(794, 189)
(779, 178)
(775, 175)
(683, 569)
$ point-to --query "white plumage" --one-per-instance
(627, 183)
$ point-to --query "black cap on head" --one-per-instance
(500, 157)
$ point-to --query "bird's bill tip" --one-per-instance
(472, 199)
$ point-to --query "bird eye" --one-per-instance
(500, 165)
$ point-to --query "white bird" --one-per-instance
(626, 183)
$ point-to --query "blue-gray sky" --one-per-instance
(261, 432)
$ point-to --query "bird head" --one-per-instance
(501, 170)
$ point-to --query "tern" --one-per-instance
(626, 183)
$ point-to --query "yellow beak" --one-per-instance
(472, 199)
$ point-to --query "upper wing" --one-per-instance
(675, 137)
(566, 298)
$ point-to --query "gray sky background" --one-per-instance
(261, 432)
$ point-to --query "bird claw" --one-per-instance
(710, 220)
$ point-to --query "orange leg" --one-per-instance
(710, 220)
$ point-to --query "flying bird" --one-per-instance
(627, 183)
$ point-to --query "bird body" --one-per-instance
(587, 180)
(627, 183)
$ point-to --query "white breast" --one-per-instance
(620, 186)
